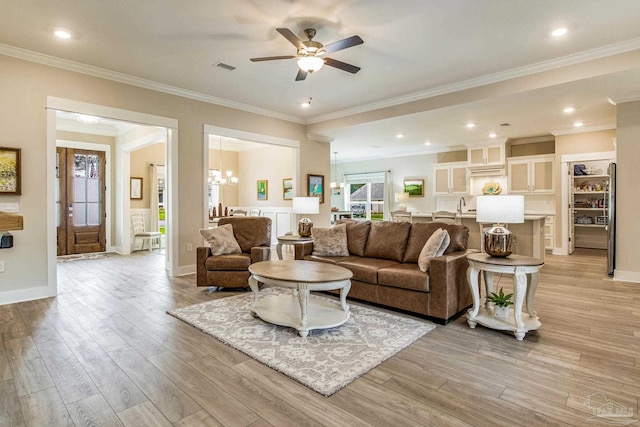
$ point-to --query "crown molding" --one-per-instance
(626, 97)
(320, 138)
(583, 129)
(576, 58)
(115, 76)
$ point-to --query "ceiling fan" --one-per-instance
(311, 53)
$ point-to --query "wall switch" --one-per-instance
(1, 266)
(189, 247)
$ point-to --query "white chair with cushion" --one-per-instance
(401, 216)
(254, 212)
(239, 212)
(139, 232)
(444, 216)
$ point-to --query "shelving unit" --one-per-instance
(588, 208)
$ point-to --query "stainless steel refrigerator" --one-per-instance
(611, 220)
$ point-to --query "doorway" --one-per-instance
(80, 201)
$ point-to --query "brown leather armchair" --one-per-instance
(232, 271)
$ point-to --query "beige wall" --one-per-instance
(577, 143)
(533, 149)
(452, 156)
(25, 86)
(272, 163)
(140, 161)
(628, 200)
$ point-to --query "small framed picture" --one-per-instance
(415, 187)
(315, 186)
(287, 189)
(136, 188)
(10, 171)
(263, 189)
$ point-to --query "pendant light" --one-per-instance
(219, 178)
(335, 184)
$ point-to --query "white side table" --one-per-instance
(290, 239)
(525, 281)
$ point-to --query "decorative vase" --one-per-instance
(500, 312)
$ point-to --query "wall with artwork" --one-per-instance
(271, 164)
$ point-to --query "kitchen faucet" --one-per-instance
(462, 202)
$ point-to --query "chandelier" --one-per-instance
(334, 183)
(216, 177)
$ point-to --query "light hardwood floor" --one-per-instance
(104, 353)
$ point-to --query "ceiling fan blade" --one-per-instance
(272, 58)
(301, 75)
(341, 65)
(343, 44)
(288, 34)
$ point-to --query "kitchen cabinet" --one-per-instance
(531, 174)
(488, 155)
(450, 178)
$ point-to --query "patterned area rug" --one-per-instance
(68, 258)
(326, 360)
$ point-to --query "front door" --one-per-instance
(80, 184)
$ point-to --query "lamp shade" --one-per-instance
(508, 209)
(401, 197)
(306, 205)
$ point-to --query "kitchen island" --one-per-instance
(529, 235)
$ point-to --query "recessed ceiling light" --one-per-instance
(492, 135)
(399, 135)
(62, 34)
(569, 110)
(559, 32)
(427, 143)
(470, 125)
(577, 124)
(305, 105)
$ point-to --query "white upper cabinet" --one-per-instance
(531, 174)
(450, 179)
(486, 155)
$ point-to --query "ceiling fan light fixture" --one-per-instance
(310, 64)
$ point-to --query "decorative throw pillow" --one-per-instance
(435, 246)
(330, 241)
(221, 240)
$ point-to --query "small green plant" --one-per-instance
(500, 299)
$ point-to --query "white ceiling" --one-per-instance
(411, 47)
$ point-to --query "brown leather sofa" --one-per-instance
(383, 257)
(232, 271)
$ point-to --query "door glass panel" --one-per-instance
(93, 213)
(79, 165)
(377, 201)
(79, 190)
(79, 214)
(93, 167)
(93, 190)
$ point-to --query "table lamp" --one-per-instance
(306, 206)
(499, 210)
(401, 198)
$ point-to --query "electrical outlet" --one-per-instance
(189, 247)
(1, 266)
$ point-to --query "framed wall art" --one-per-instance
(287, 189)
(136, 188)
(263, 189)
(415, 187)
(315, 186)
(10, 171)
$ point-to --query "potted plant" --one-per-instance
(501, 303)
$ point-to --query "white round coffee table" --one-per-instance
(298, 309)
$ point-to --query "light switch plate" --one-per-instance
(9, 207)
(1, 266)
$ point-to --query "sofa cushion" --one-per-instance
(421, 231)
(221, 240)
(387, 240)
(239, 261)
(405, 276)
(366, 269)
(435, 246)
(357, 235)
(330, 241)
(250, 231)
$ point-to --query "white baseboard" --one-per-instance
(626, 276)
(29, 294)
(187, 269)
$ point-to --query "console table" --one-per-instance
(525, 280)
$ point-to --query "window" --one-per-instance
(365, 195)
